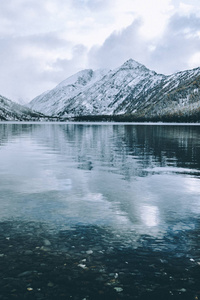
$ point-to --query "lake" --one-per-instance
(131, 189)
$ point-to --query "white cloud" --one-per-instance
(194, 60)
(187, 7)
(154, 14)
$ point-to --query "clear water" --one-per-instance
(131, 179)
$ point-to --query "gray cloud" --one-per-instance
(25, 72)
(119, 47)
(16, 17)
(179, 42)
(168, 54)
(68, 67)
(93, 5)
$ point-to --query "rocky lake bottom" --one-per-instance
(85, 262)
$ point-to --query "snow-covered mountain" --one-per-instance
(54, 102)
(130, 89)
(177, 94)
(10, 111)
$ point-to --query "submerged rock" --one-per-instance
(118, 289)
(47, 242)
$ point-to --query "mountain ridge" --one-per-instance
(102, 96)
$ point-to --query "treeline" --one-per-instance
(174, 118)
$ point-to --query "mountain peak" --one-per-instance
(131, 64)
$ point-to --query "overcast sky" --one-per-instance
(44, 42)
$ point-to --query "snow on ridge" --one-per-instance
(75, 79)
(131, 64)
(83, 77)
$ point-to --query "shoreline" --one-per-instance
(102, 123)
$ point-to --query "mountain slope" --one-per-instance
(10, 111)
(54, 101)
(177, 93)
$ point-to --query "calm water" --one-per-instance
(131, 179)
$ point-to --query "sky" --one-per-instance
(44, 42)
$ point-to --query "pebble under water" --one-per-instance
(87, 262)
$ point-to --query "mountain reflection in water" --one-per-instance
(132, 178)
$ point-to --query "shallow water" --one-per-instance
(132, 179)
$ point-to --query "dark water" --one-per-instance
(139, 182)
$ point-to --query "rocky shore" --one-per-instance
(84, 263)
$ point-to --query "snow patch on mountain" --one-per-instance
(53, 101)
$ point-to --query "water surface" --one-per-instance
(132, 179)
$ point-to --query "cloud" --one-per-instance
(171, 52)
(93, 5)
(180, 42)
(119, 47)
(30, 65)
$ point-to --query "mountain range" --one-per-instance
(129, 92)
